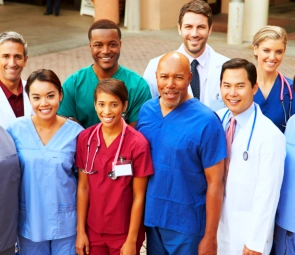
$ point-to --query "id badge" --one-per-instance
(123, 168)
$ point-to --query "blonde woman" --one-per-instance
(275, 92)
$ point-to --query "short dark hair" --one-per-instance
(237, 63)
(43, 75)
(104, 24)
(114, 87)
(197, 7)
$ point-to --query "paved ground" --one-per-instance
(60, 43)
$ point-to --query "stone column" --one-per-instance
(106, 9)
(235, 22)
(256, 17)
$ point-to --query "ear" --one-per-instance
(255, 50)
(255, 88)
(125, 106)
(210, 29)
(61, 95)
(179, 29)
(26, 59)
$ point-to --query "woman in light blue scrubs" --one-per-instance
(46, 146)
(285, 218)
(269, 49)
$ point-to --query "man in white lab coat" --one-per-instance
(194, 27)
(256, 154)
(13, 58)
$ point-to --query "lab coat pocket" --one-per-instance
(67, 218)
(238, 230)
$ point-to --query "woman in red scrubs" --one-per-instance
(114, 164)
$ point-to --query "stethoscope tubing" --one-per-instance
(245, 154)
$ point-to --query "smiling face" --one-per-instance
(173, 78)
(12, 62)
(44, 98)
(269, 54)
(194, 32)
(105, 48)
(109, 109)
(236, 90)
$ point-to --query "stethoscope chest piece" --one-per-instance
(112, 175)
(245, 155)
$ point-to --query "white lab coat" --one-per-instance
(252, 188)
(6, 113)
(212, 96)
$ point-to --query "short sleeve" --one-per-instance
(141, 95)
(67, 106)
(80, 152)
(142, 161)
(213, 143)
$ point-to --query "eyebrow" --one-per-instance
(47, 93)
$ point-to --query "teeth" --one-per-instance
(105, 58)
(107, 119)
(270, 63)
(233, 101)
(45, 111)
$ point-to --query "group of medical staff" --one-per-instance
(60, 215)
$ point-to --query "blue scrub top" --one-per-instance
(48, 186)
(183, 143)
(286, 209)
(272, 106)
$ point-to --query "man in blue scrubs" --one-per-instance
(184, 196)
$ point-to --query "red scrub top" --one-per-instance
(110, 201)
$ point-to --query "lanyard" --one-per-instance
(245, 154)
(96, 131)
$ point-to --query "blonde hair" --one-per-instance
(270, 32)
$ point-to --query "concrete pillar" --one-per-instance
(106, 9)
(235, 22)
(133, 15)
(256, 17)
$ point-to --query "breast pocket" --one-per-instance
(67, 218)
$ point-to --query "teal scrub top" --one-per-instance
(78, 95)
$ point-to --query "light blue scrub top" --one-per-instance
(48, 186)
(286, 209)
(183, 143)
(272, 107)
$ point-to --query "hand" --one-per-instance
(128, 248)
(82, 243)
(208, 246)
(246, 251)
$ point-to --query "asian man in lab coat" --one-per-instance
(254, 167)
(14, 102)
(194, 27)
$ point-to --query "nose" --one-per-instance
(43, 101)
(272, 55)
(105, 49)
(11, 61)
(170, 82)
(107, 109)
(233, 91)
(194, 32)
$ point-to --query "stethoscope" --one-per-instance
(282, 96)
(96, 131)
(245, 154)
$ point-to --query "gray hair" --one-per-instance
(14, 37)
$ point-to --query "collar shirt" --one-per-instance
(16, 101)
(242, 119)
(202, 68)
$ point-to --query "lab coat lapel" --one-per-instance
(27, 105)
(212, 84)
(5, 106)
